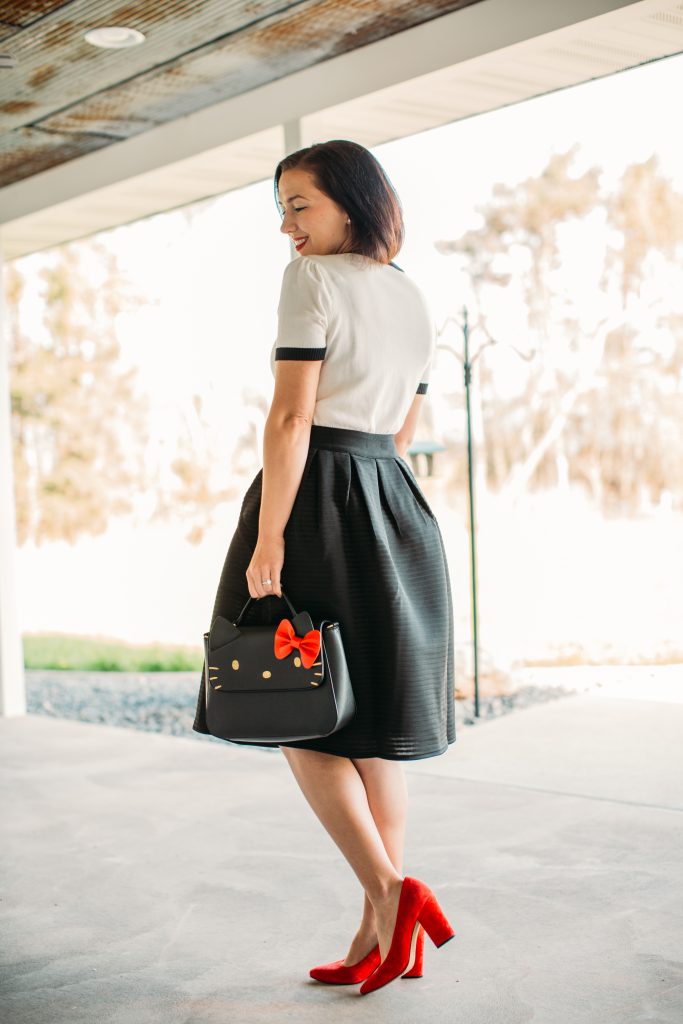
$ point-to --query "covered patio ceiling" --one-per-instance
(219, 91)
(66, 98)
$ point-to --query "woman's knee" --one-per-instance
(312, 758)
(379, 768)
(384, 781)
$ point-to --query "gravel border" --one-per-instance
(165, 701)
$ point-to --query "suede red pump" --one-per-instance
(417, 906)
(339, 973)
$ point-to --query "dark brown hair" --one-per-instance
(350, 175)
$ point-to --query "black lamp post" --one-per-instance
(467, 370)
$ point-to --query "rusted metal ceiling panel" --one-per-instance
(25, 12)
(27, 151)
(56, 67)
(195, 54)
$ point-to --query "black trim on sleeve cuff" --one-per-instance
(287, 352)
(422, 388)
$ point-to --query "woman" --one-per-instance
(336, 517)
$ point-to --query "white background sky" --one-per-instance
(211, 291)
(234, 246)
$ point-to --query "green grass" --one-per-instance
(99, 654)
(96, 654)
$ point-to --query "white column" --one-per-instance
(292, 136)
(12, 682)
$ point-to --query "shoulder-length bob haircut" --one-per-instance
(350, 175)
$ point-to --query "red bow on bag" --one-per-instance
(286, 641)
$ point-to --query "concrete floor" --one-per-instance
(153, 880)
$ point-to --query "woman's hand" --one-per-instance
(266, 564)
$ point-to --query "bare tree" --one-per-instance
(600, 402)
(78, 429)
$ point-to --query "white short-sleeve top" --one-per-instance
(371, 325)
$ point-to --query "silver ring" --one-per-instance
(266, 581)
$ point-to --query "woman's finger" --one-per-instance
(274, 576)
(255, 590)
(255, 577)
(266, 564)
(276, 588)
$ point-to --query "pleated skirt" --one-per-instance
(363, 547)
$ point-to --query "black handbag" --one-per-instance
(253, 693)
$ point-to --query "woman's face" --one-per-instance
(311, 215)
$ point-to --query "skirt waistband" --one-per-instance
(361, 442)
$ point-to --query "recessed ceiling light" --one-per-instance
(114, 37)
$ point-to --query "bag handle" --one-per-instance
(250, 599)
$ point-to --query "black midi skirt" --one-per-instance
(362, 547)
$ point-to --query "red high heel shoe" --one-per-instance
(417, 906)
(339, 973)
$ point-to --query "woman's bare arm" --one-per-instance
(285, 445)
(405, 436)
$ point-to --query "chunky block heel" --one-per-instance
(435, 922)
(417, 906)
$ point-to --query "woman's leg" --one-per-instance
(387, 792)
(335, 790)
